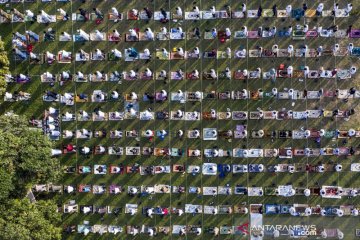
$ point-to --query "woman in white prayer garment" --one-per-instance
(180, 51)
(180, 30)
(101, 149)
(228, 52)
(306, 28)
(55, 133)
(68, 96)
(179, 113)
(132, 211)
(275, 49)
(163, 30)
(99, 35)
(147, 53)
(196, 51)
(132, 112)
(132, 74)
(245, 30)
(85, 150)
(195, 74)
(45, 17)
(98, 75)
(132, 33)
(149, 133)
(196, 10)
(196, 133)
(178, 11)
(165, 53)
(197, 153)
(227, 73)
(213, 11)
(52, 110)
(163, 93)
(213, 73)
(29, 14)
(116, 53)
(290, 50)
(336, 48)
(149, 34)
(114, 12)
(84, 114)
(180, 133)
(65, 75)
(133, 96)
(65, 54)
(80, 75)
(22, 76)
(48, 75)
(68, 134)
(84, 35)
(288, 10)
(50, 56)
(350, 47)
(180, 93)
(114, 95)
(306, 71)
(33, 56)
(227, 32)
(353, 70)
(98, 53)
(213, 113)
(290, 70)
(69, 116)
(116, 34)
(101, 114)
(163, 74)
(148, 72)
(228, 113)
(63, 13)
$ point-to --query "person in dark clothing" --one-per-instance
(305, 93)
(260, 30)
(82, 96)
(335, 112)
(212, 53)
(197, 32)
(148, 12)
(49, 35)
(334, 72)
(164, 13)
(98, 13)
(83, 13)
(352, 91)
(51, 94)
(305, 7)
(348, 31)
(274, 9)
(335, 7)
(334, 28)
(150, 97)
(259, 13)
(352, 151)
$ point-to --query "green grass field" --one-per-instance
(36, 107)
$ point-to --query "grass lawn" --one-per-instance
(36, 107)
